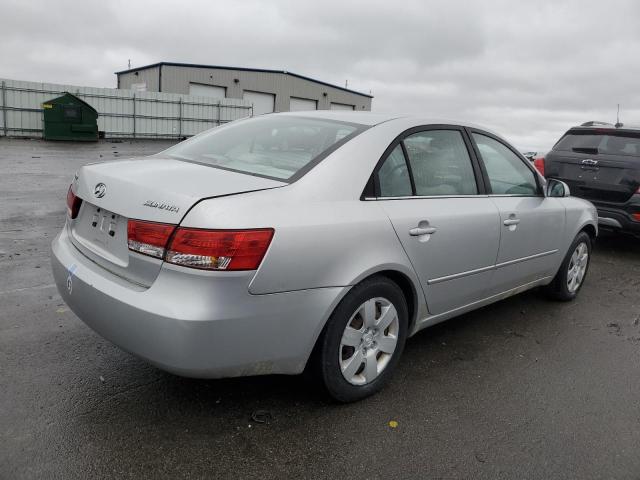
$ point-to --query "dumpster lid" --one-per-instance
(72, 96)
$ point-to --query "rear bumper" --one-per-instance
(619, 218)
(194, 323)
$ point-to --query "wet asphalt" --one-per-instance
(525, 388)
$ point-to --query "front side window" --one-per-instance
(508, 175)
(270, 146)
(393, 176)
(440, 163)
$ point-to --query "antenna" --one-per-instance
(129, 64)
(346, 84)
(618, 124)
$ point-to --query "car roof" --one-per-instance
(371, 118)
(595, 125)
(362, 118)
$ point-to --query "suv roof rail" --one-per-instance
(594, 123)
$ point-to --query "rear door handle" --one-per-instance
(511, 221)
(417, 231)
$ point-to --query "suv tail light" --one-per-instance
(539, 164)
(148, 238)
(219, 249)
(636, 216)
(73, 203)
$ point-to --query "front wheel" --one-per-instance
(363, 340)
(570, 277)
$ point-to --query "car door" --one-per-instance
(432, 190)
(531, 224)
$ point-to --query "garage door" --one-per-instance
(262, 102)
(207, 90)
(340, 106)
(302, 104)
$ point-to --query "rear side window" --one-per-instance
(594, 143)
(508, 175)
(393, 176)
(440, 163)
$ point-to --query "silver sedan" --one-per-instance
(317, 241)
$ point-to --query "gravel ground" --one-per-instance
(526, 388)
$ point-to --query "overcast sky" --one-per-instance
(527, 70)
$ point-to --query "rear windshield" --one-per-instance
(272, 146)
(611, 143)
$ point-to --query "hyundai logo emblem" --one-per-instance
(100, 190)
(590, 162)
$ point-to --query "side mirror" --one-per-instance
(557, 188)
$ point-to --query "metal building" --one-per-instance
(268, 90)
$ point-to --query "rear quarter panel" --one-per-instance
(316, 244)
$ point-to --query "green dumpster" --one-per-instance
(69, 118)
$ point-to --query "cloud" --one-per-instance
(528, 70)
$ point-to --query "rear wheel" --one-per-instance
(363, 340)
(570, 277)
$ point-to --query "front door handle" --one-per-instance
(511, 221)
(417, 231)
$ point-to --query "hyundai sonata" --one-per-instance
(319, 240)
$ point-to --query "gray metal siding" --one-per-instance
(150, 76)
(176, 79)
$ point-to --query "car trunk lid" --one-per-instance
(153, 189)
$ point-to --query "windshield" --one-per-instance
(618, 143)
(271, 146)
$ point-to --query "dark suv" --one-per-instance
(601, 163)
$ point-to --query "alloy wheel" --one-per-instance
(369, 341)
(577, 267)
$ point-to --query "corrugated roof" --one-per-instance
(241, 69)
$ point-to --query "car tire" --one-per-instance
(362, 328)
(562, 288)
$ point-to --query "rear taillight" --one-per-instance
(539, 164)
(636, 216)
(148, 238)
(73, 203)
(638, 191)
(219, 249)
(198, 248)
